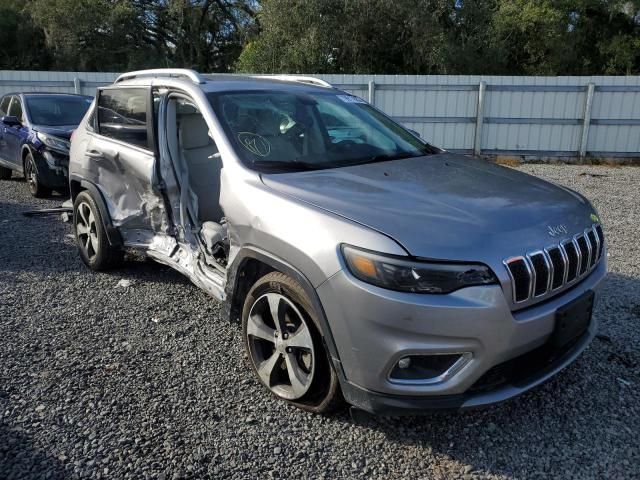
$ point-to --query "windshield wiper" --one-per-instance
(283, 165)
(387, 157)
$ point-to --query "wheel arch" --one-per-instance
(77, 185)
(26, 149)
(249, 265)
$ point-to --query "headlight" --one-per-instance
(413, 276)
(55, 143)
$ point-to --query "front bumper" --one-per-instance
(373, 328)
(53, 168)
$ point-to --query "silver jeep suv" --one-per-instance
(362, 262)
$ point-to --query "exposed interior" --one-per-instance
(197, 165)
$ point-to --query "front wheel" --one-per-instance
(284, 345)
(34, 181)
(91, 238)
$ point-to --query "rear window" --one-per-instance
(122, 115)
(56, 110)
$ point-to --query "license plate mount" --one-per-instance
(573, 319)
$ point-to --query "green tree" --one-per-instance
(568, 37)
(23, 45)
(353, 36)
(116, 35)
(534, 37)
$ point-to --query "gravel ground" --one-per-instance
(147, 381)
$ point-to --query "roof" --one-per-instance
(61, 94)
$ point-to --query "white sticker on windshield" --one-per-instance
(351, 99)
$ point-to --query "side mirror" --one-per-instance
(414, 132)
(10, 120)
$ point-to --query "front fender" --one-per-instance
(232, 290)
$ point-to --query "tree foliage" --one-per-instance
(116, 35)
(536, 37)
(517, 37)
(23, 43)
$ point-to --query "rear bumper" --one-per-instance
(373, 328)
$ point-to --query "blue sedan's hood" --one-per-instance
(444, 206)
(62, 131)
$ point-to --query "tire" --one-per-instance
(293, 344)
(5, 173)
(91, 238)
(32, 176)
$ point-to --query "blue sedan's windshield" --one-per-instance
(57, 110)
(284, 130)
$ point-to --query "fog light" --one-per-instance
(427, 369)
(404, 362)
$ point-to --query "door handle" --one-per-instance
(97, 154)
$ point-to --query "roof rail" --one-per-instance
(297, 78)
(194, 76)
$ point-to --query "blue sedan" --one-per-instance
(35, 132)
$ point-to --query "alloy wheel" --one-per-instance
(86, 230)
(31, 175)
(281, 346)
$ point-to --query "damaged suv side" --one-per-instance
(363, 262)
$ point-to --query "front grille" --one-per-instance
(539, 273)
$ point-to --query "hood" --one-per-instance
(444, 206)
(62, 131)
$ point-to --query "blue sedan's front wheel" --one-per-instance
(34, 181)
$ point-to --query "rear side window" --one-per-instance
(122, 115)
(4, 105)
(15, 110)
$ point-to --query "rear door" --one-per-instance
(12, 133)
(121, 160)
(4, 110)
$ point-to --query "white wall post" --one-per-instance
(586, 123)
(77, 85)
(372, 92)
(477, 140)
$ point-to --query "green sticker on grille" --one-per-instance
(594, 218)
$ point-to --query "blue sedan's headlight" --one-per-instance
(414, 276)
(55, 143)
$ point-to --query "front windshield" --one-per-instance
(296, 131)
(57, 110)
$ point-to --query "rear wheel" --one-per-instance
(91, 238)
(5, 173)
(284, 345)
(34, 181)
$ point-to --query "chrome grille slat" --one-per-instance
(585, 253)
(595, 244)
(540, 272)
(573, 259)
(600, 235)
(559, 265)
